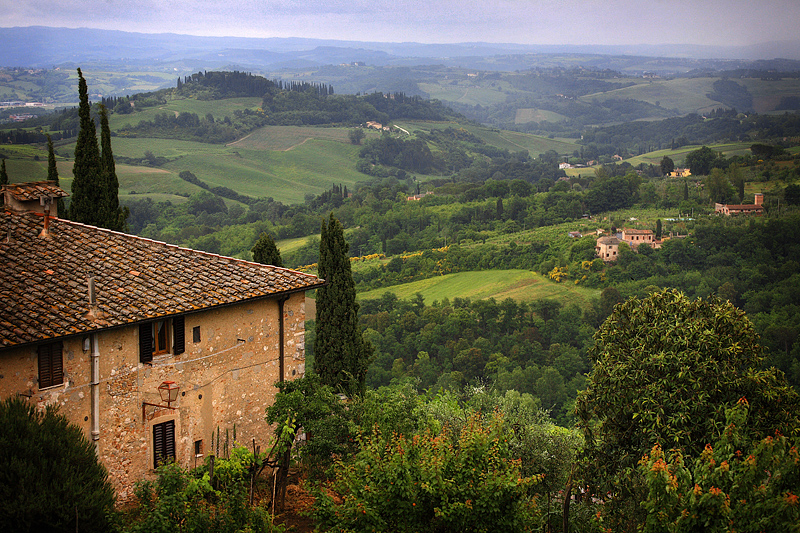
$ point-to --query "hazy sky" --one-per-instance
(717, 22)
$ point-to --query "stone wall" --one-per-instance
(226, 381)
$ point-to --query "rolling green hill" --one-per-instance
(519, 285)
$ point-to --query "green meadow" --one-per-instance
(520, 285)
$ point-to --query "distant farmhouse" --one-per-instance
(607, 248)
(756, 208)
(680, 173)
(417, 197)
(149, 348)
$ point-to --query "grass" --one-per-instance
(529, 114)
(520, 285)
(218, 108)
(464, 92)
(677, 156)
(283, 162)
(509, 140)
(688, 95)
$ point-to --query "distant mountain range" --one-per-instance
(46, 47)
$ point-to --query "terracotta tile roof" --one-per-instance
(34, 190)
(637, 232)
(745, 207)
(608, 240)
(44, 281)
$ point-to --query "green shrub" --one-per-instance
(185, 501)
(430, 482)
(734, 485)
(50, 479)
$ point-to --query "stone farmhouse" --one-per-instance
(148, 347)
(635, 237)
(756, 208)
(607, 248)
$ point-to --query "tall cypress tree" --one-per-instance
(52, 173)
(341, 355)
(266, 251)
(89, 199)
(115, 216)
(3, 178)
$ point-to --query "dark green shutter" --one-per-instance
(146, 342)
(178, 335)
(163, 442)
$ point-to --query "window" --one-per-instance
(155, 337)
(160, 334)
(51, 365)
(198, 448)
(163, 443)
(196, 334)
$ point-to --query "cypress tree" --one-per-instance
(115, 216)
(266, 252)
(52, 173)
(341, 355)
(3, 178)
(89, 200)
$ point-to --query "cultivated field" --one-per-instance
(520, 285)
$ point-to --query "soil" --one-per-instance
(298, 504)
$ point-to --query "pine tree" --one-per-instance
(115, 216)
(341, 355)
(89, 199)
(52, 173)
(266, 252)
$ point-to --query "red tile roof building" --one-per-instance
(95, 321)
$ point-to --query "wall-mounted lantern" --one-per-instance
(169, 393)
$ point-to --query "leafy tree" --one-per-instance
(50, 478)
(700, 162)
(667, 165)
(718, 187)
(89, 202)
(791, 194)
(341, 355)
(356, 135)
(665, 369)
(266, 252)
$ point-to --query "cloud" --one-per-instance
(521, 21)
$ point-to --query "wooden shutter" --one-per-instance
(57, 363)
(163, 442)
(178, 335)
(51, 365)
(146, 342)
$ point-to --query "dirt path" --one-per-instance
(239, 140)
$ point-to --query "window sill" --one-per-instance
(63, 385)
